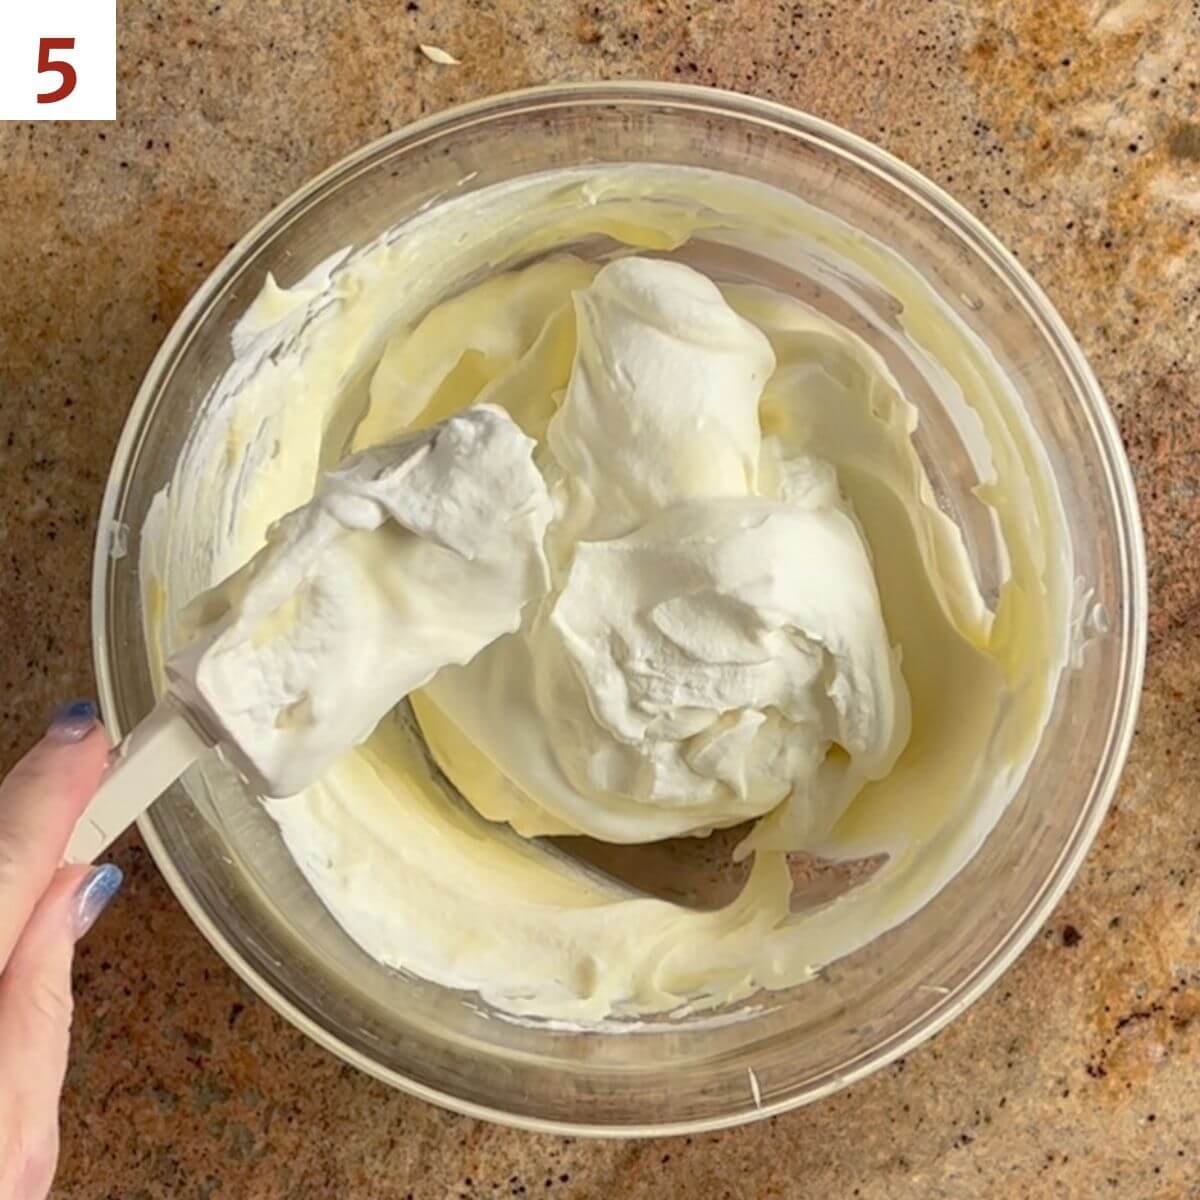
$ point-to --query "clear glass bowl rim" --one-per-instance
(921, 191)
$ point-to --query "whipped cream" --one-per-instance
(411, 556)
(705, 644)
(753, 607)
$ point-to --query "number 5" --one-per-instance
(65, 70)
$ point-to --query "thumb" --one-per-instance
(36, 1006)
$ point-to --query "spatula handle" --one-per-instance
(140, 768)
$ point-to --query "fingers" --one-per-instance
(40, 801)
(42, 911)
(35, 1022)
(35, 996)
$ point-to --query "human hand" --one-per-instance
(44, 909)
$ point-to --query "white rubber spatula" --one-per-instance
(140, 768)
(410, 557)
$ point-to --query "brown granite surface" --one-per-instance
(1071, 126)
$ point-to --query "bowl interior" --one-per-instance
(224, 857)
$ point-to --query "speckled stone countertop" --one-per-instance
(1072, 127)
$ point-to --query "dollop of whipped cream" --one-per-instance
(714, 628)
(410, 556)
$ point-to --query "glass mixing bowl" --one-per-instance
(225, 861)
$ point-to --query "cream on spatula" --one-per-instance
(410, 557)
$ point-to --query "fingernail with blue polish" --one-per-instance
(73, 722)
(99, 887)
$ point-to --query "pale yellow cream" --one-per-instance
(385, 340)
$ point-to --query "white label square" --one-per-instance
(58, 60)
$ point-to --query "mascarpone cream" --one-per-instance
(750, 600)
